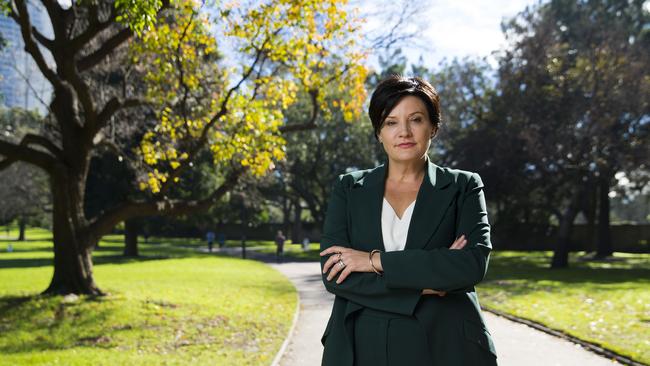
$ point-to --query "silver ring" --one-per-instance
(341, 264)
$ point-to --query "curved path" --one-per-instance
(516, 344)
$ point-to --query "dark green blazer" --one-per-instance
(449, 203)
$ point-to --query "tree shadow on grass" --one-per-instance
(25, 262)
(530, 272)
(16, 241)
(9, 302)
(39, 323)
(97, 260)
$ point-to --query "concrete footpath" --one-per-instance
(516, 344)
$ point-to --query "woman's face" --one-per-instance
(407, 131)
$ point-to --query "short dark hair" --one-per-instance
(395, 87)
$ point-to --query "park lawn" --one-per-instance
(293, 250)
(172, 306)
(606, 303)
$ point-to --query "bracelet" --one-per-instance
(371, 264)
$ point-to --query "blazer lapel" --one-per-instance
(433, 199)
(366, 204)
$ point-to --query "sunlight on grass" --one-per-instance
(172, 306)
(607, 303)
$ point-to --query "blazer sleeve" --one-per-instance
(364, 288)
(442, 268)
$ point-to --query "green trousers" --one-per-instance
(387, 339)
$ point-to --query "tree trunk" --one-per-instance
(131, 229)
(73, 266)
(296, 232)
(604, 239)
(561, 252)
(21, 228)
(286, 215)
(590, 213)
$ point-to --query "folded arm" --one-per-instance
(444, 269)
(365, 288)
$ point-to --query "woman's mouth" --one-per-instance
(406, 145)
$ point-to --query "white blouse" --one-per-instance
(394, 229)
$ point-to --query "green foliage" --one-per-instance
(139, 15)
(172, 306)
(5, 7)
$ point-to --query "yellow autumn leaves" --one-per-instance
(282, 46)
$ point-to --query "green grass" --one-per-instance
(607, 303)
(172, 306)
(175, 304)
(294, 250)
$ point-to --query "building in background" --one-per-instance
(22, 85)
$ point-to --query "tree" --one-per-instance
(199, 104)
(316, 157)
(576, 85)
(23, 188)
(608, 41)
(24, 196)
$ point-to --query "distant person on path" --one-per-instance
(221, 240)
(398, 301)
(210, 238)
(279, 242)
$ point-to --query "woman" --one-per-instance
(403, 245)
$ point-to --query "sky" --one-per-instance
(457, 28)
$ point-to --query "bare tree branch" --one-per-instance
(107, 48)
(113, 106)
(104, 223)
(22, 152)
(21, 16)
(46, 42)
(95, 27)
(42, 141)
(31, 87)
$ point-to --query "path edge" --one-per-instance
(285, 344)
(561, 334)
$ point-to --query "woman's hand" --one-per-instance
(457, 244)
(355, 261)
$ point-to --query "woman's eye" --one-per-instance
(390, 123)
(417, 119)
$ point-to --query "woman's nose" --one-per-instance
(404, 130)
